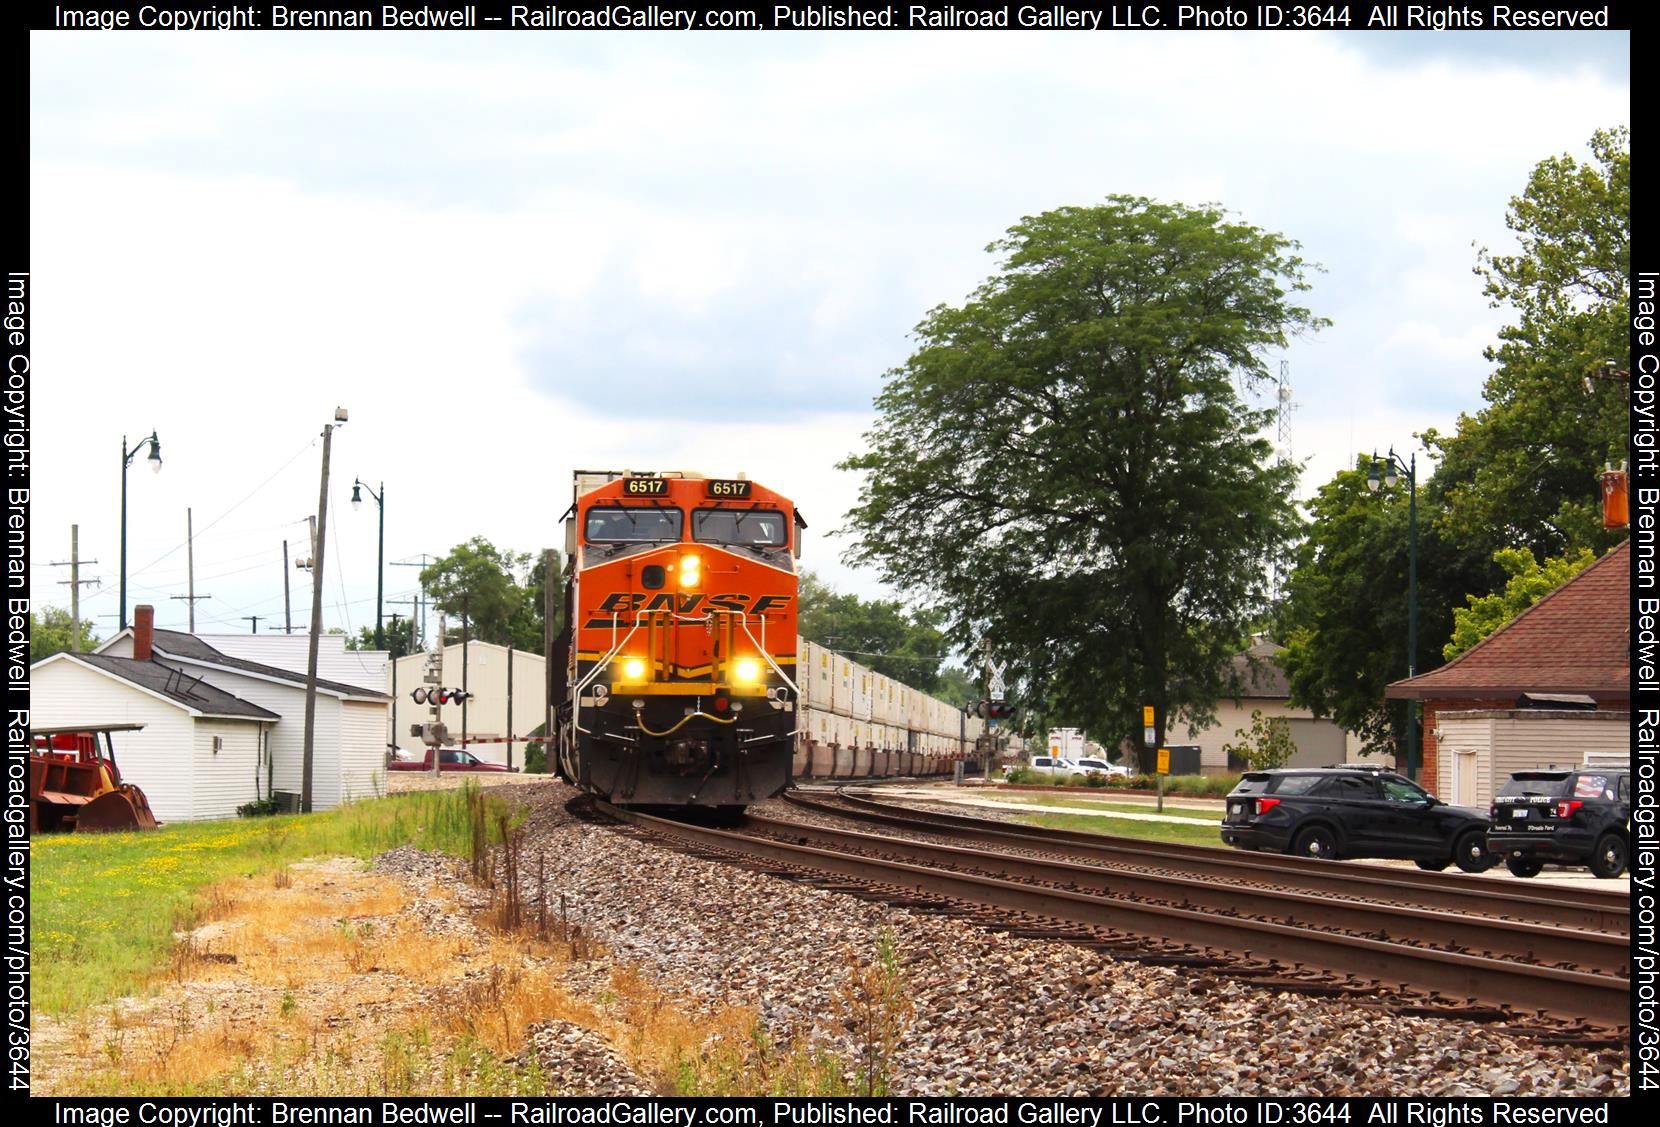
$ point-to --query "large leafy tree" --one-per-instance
(1522, 470)
(1528, 582)
(879, 633)
(499, 590)
(53, 631)
(1064, 465)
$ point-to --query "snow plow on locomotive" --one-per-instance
(675, 670)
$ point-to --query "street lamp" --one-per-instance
(127, 457)
(1389, 466)
(380, 563)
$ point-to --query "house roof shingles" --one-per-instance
(177, 685)
(1577, 639)
(1259, 674)
(188, 647)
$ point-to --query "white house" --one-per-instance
(349, 747)
(202, 751)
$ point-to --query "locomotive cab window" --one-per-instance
(633, 525)
(758, 528)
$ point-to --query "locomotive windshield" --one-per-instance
(633, 526)
(760, 528)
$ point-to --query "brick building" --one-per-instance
(1576, 641)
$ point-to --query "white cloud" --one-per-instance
(515, 256)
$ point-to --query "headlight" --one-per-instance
(690, 571)
(748, 670)
(634, 669)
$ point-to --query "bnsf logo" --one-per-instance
(625, 603)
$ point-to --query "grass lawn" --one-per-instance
(1127, 827)
(1090, 801)
(104, 907)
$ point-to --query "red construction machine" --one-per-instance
(74, 783)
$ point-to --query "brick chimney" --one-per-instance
(144, 632)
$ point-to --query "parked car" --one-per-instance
(1574, 816)
(1103, 766)
(1341, 812)
(1057, 765)
(449, 759)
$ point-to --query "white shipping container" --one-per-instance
(841, 688)
(860, 688)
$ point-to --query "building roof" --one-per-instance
(1577, 639)
(188, 647)
(176, 685)
(1258, 673)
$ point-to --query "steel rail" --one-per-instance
(1506, 939)
(1591, 910)
(1593, 997)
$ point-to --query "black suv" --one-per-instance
(1573, 815)
(1350, 812)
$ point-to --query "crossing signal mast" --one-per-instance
(994, 707)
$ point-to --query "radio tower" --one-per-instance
(1282, 440)
(1282, 454)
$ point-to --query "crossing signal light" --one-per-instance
(999, 710)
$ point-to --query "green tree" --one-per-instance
(1522, 470)
(1343, 615)
(1266, 744)
(484, 582)
(53, 631)
(400, 637)
(1063, 464)
(1529, 582)
(880, 633)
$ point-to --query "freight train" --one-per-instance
(675, 672)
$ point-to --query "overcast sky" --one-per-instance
(514, 255)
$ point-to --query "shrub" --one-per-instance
(258, 808)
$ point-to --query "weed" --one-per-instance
(288, 1004)
(873, 1007)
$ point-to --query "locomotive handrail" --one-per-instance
(606, 659)
(762, 646)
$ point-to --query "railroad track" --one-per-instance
(1594, 910)
(1066, 901)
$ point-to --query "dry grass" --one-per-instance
(326, 980)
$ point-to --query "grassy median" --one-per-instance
(1184, 833)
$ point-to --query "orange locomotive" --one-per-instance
(675, 673)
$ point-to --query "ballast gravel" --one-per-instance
(993, 1014)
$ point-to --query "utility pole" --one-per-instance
(254, 618)
(436, 680)
(424, 562)
(393, 741)
(306, 757)
(190, 563)
(287, 606)
(466, 637)
(190, 556)
(73, 563)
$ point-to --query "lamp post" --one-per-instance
(380, 560)
(1390, 477)
(127, 457)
